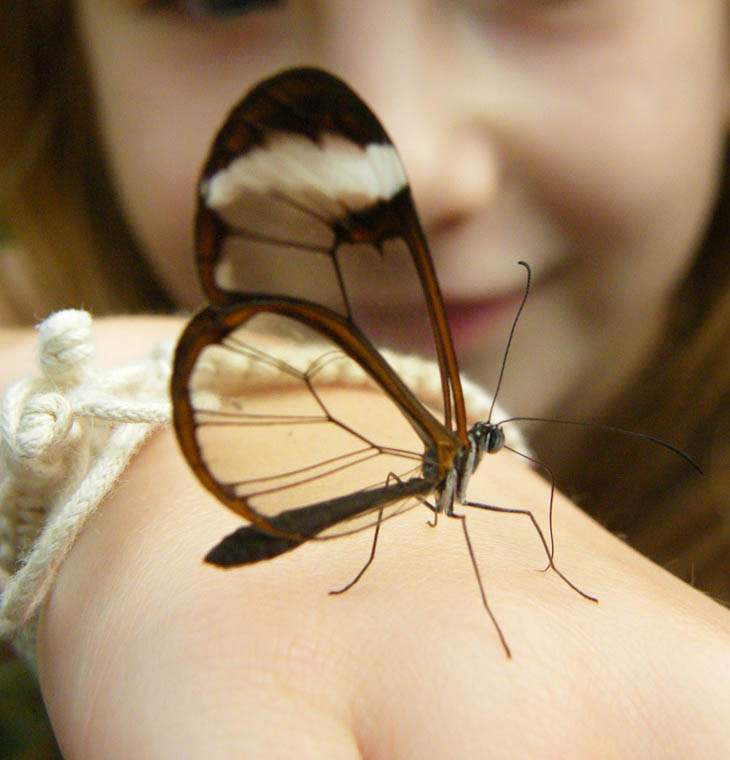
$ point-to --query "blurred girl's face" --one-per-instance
(582, 136)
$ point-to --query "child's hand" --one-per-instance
(147, 652)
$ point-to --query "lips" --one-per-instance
(472, 322)
(406, 326)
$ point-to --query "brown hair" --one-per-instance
(56, 201)
(682, 395)
(55, 198)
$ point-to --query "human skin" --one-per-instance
(582, 137)
(145, 651)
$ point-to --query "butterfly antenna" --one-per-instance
(611, 429)
(511, 335)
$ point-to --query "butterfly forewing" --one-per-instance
(294, 160)
(253, 381)
(304, 196)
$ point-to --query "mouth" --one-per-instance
(407, 328)
(473, 322)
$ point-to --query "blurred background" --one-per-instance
(25, 733)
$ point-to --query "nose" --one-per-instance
(399, 57)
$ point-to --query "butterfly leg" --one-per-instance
(551, 477)
(480, 584)
(528, 513)
(366, 565)
(431, 524)
(391, 476)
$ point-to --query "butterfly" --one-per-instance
(302, 196)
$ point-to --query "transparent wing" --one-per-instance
(304, 196)
(272, 375)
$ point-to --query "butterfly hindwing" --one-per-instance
(268, 373)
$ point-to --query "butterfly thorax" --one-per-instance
(484, 437)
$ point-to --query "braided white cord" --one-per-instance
(67, 435)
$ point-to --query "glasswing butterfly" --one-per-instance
(302, 195)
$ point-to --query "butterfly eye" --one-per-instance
(495, 439)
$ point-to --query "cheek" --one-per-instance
(624, 154)
(155, 164)
(156, 131)
(162, 88)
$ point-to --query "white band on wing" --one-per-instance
(322, 176)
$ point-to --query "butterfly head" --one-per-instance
(486, 437)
